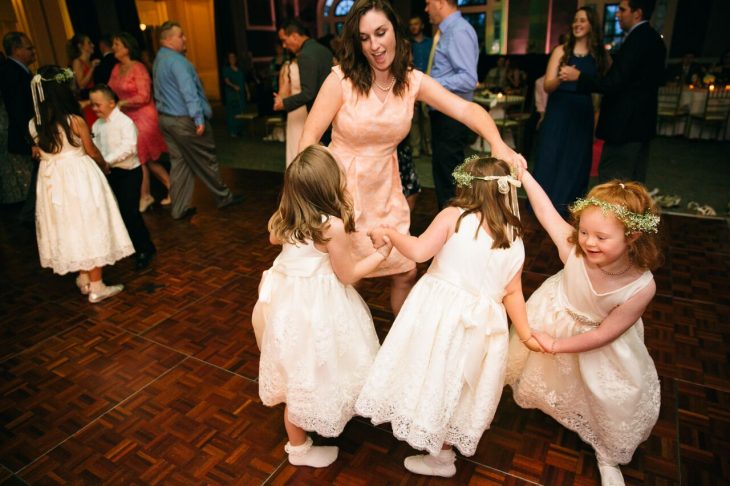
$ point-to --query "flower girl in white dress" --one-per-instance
(78, 225)
(440, 372)
(599, 379)
(315, 332)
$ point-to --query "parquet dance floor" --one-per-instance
(158, 385)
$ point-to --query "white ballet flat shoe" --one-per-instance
(106, 292)
(442, 465)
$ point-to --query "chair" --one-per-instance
(716, 113)
(669, 109)
(249, 118)
(271, 124)
(515, 118)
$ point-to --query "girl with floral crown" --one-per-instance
(440, 372)
(78, 225)
(596, 377)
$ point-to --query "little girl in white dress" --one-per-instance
(599, 379)
(315, 332)
(440, 372)
(78, 224)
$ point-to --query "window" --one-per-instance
(612, 32)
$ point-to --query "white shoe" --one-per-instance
(610, 475)
(105, 292)
(310, 455)
(428, 465)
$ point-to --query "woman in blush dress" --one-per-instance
(131, 82)
(369, 100)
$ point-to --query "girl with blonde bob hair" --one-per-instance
(315, 332)
(597, 378)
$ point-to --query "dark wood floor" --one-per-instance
(158, 384)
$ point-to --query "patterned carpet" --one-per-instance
(158, 384)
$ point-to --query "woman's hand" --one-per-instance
(533, 345)
(386, 247)
(504, 152)
(378, 236)
(568, 73)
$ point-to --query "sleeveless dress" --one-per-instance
(135, 88)
(565, 146)
(234, 101)
(78, 225)
(294, 119)
(317, 340)
(440, 372)
(365, 135)
(609, 396)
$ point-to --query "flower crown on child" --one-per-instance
(646, 223)
(506, 184)
(36, 88)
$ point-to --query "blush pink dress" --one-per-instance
(135, 88)
(365, 135)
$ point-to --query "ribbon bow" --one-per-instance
(482, 319)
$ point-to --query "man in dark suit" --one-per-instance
(15, 77)
(315, 63)
(103, 71)
(628, 116)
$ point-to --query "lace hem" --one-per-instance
(326, 420)
(62, 267)
(405, 429)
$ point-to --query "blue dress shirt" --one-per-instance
(178, 90)
(455, 60)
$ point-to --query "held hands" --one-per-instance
(278, 103)
(385, 249)
(546, 341)
(378, 236)
(504, 152)
(568, 73)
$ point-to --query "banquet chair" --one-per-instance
(669, 109)
(715, 114)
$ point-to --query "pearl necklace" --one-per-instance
(385, 88)
(615, 274)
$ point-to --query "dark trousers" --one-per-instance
(448, 139)
(27, 212)
(126, 185)
(625, 161)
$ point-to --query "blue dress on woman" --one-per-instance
(565, 145)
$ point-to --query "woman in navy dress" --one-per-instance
(566, 136)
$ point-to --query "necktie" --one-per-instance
(433, 51)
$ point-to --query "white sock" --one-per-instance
(310, 455)
(610, 474)
(97, 286)
(441, 465)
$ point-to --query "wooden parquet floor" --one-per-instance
(158, 385)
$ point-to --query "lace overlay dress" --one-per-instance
(78, 225)
(440, 372)
(610, 396)
(316, 337)
(365, 135)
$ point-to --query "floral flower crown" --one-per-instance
(646, 223)
(464, 179)
(36, 88)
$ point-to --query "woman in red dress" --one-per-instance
(131, 82)
(80, 48)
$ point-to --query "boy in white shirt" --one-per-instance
(116, 137)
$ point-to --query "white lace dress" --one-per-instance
(440, 372)
(78, 225)
(316, 337)
(610, 396)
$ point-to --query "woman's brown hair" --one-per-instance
(644, 251)
(483, 197)
(313, 186)
(353, 62)
(595, 42)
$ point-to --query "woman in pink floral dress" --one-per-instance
(133, 85)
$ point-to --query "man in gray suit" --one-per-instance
(315, 63)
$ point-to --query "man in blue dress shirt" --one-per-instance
(420, 136)
(453, 66)
(184, 112)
